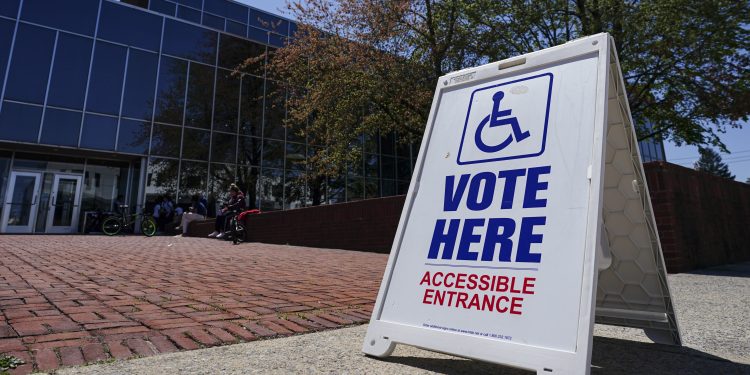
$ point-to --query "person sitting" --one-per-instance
(197, 211)
(235, 205)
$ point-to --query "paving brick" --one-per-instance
(46, 359)
(126, 302)
(94, 352)
(71, 356)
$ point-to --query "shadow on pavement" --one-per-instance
(610, 356)
(730, 270)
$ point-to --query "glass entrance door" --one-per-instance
(21, 203)
(64, 204)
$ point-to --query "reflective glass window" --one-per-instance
(355, 189)
(251, 105)
(29, 69)
(223, 149)
(70, 71)
(402, 148)
(77, 16)
(247, 180)
(219, 179)
(227, 9)
(372, 188)
(107, 73)
(99, 132)
(268, 22)
(170, 99)
(273, 154)
(295, 156)
(403, 168)
(295, 190)
(316, 191)
(388, 166)
(165, 140)
(275, 112)
(130, 26)
(20, 122)
(6, 38)
(336, 190)
(140, 82)
(249, 151)
(271, 189)
(195, 144)
(161, 178)
(389, 188)
(215, 22)
(162, 6)
(372, 165)
(236, 28)
(257, 34)
(5, 157)
(234, 51)
(388, 144)
(193, 180)
(226, 104)
(189, 14)
(9, 8)
(190, 42)
(276, 40)
(199, 96)
(61, 127)
(134, 136)
(191, 3)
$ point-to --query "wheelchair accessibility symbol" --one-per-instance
(499, 118)
(503, 122)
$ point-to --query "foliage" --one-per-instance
(368, 67)
(9, 362)
(710, 161)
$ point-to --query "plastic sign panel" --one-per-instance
(502, 236)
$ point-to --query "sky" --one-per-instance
(736, 140)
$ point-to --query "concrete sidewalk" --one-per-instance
(713, 307)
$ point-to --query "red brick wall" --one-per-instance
(703, 220)
(367, 225)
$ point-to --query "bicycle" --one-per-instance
(237, 230)
(114, 224)
(237, 226)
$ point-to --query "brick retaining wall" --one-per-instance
(703, 220)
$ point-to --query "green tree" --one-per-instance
(362, 67)
(710, 161)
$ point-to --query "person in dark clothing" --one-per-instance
(235, 205)
(197, 211)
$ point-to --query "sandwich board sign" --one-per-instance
(527, 218)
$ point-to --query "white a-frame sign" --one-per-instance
(527, 218)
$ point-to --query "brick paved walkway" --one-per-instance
(69, 300)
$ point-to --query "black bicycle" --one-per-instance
(115, 224)
(237, 230)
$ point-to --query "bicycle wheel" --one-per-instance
(112, 225)
(148, 226)
(238, 234)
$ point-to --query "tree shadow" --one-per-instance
(729, 270)
(610, 356)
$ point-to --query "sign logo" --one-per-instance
(507, 121)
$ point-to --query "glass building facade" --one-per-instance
(105, 102)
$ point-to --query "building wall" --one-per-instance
(106, 76)
(703, 220)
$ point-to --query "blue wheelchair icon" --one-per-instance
(499, 118)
